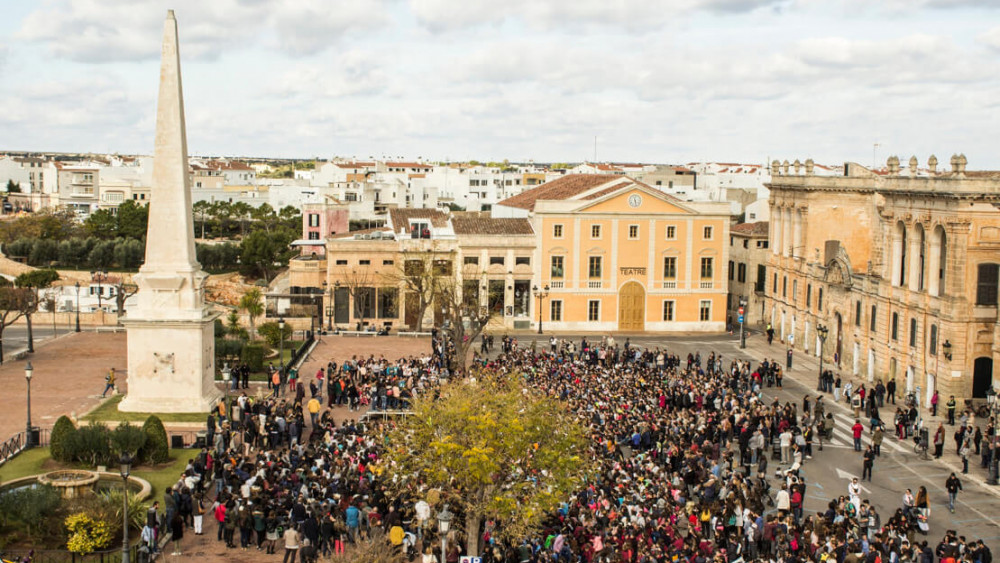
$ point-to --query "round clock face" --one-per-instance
(635, 200)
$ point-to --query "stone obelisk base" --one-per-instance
(171, 366)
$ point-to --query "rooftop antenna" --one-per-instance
(875, 155)
(595, 148)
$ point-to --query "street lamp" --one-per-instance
(541, 295)
(947, 349)
(125, 468)
(100, 276)
(227, 374)
(822, 330)
(28, 442)
(991, 400)
(444, 522)
(743, 336)
(329, 308)
(77, 284)
(281, 345)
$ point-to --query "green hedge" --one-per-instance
(253, 356)
(156, 448)
(59, 439)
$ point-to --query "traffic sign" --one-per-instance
(741, 318)
(741, 312)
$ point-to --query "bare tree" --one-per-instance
(15, 302)
(123, 290)
(360, 284)
(465, 316)
(420, 275)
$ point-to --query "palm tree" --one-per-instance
(252, 303)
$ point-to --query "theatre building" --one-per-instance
(618, 255)
(899, 266)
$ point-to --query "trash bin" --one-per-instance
(775, 448)
(35, 438)
(788, 364)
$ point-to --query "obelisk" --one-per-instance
(171, 339)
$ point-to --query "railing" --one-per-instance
(669, 285)
(557, 284)
(706, 285)
(17, 444)
(593, 285)
(65, 556)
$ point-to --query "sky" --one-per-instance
(656, 81)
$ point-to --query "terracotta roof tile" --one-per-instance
(400, 218)
(483, 224)
(750, 229)
(564, 187)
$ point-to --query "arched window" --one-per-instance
(902, 254)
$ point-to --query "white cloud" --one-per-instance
(991, 38)
(101, 31)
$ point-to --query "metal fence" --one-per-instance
(65, 556)
(18, 442)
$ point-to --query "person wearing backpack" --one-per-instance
(198, 506)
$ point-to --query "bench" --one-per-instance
(358, 333)
(108, 328)
(412, 333)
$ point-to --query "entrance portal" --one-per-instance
(982, 377)
(631, 307)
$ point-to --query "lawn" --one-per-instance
(108, 410)
(290, 346)
(38, 460)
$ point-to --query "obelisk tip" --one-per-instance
(170, 15)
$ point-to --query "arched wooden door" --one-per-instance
(632, 307)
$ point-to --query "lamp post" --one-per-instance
(281, 345)
(28, 442)
(329, 308)
(541, 295)
(227, 374)
(100, 276)
(743, 336)
(991, 400)
(444, 522)
(125, 468)
(77, 284)
(947, 349)
(821, 330)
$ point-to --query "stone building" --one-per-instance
(748, 256)
(899, 265)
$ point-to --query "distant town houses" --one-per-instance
(366, 189)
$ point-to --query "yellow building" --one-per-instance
(619, 255)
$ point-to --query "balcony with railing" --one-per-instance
(592, 284)
(670, 284)
(706, 285)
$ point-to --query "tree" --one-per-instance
(101, 224)
(156, 449)
(14, 304)
(420, 275)
(495, 450)
(13, 187)
(132, 220)
(123, 290)
(252, 303)
(262, 253)
(360, 285)
(465, 317)
(233, 327)
(33, 281)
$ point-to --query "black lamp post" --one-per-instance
(541, 295)
(444, 524)
(743, 336)
(227, 375)
(28, 442)
(947, 349)
(822, 331)
(99, 276)
(326, 291)
(281, 344)
(125, 468)
(991, 400)
(77, 284)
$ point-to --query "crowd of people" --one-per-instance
(692, 463)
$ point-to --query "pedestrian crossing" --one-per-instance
(843, 436)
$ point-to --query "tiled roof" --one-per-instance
(400, 218)
(564, 187)
(407, 165)
(483, 224)
(760, 228)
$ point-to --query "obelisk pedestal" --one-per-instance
(171, 337)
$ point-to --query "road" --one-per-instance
(828, 473)
(16, 337)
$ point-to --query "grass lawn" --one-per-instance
(109, 411)
(290, 347)
(38, 460)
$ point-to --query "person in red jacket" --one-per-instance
(857, 430)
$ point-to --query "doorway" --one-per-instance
(840, 337)
(982, 377)
(631, 307)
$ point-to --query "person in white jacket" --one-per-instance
(782, 501)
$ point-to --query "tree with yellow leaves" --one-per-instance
(496, 449)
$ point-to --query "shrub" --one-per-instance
(253, 356)
(86, 535)
(127, 439)
(92, 444)
(156, 448)
(30, 505)
(228, 350)
(59, 440)
(271, 333)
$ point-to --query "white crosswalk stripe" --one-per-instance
(842, 428)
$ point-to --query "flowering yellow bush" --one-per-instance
(86, 534)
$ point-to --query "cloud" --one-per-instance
(991, 38)
(631, 15)
(102, 31)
